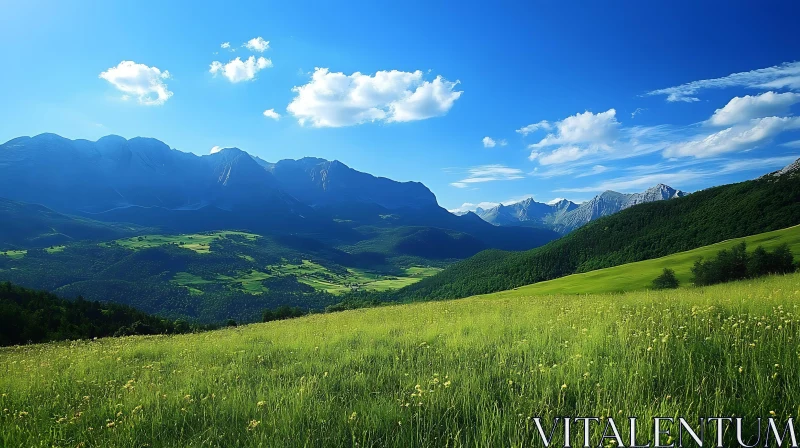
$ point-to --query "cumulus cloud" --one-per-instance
(583, 128)
(733, 139)
(139, 80)
(257, 44)
(333, 99)
(489, 142)
(531, 128)
(784, 76)
(270, 113)
(741, 109)
(237, 70)
(577, 136)
(488, 173)
(216, 149)
(225, 45)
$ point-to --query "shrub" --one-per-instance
(666, 280)
(283, 312)
(737, 264)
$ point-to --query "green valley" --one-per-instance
(210, 276)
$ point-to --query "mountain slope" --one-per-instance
(25, 225)
(638, 233)
(319, 182)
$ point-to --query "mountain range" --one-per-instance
(145, 182)
(565, 216)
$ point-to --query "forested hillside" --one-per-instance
(638, 233)
(27, 315)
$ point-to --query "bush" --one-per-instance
(737, 264)
(666, 280)
(283, 312)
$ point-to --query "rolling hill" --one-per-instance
(646, 231)
(638, 276)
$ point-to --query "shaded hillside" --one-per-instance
(638, 233)
(27, 315)
(25, 225)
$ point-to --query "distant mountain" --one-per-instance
(111, 173)
(527, 211)
(565, 216)
(610, 202)
(650, 230)
(144, 181)
(320, 182)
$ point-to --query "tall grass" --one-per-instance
(471, 372)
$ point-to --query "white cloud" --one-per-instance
(146, 83)
(579, 135)
(587, 127)
(488, 173)
(792, 144)
(786, 75)
(525, 130)
(597, 169)
(237, 70)
(563, 154)
(489, 142)
(733, 139)
(216, 149)
(333, 99)
(741, 109)
(225, 45)
(257, 44)
(270, 113)
(637, 112)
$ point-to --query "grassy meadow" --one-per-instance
(470, 372)
(639, 276)
(198, 242)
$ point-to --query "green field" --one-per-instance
(198, 242)
(311, 274)
(639, 275)
(471, 372)
(13, 254)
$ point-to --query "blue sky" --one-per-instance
(621, 95)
